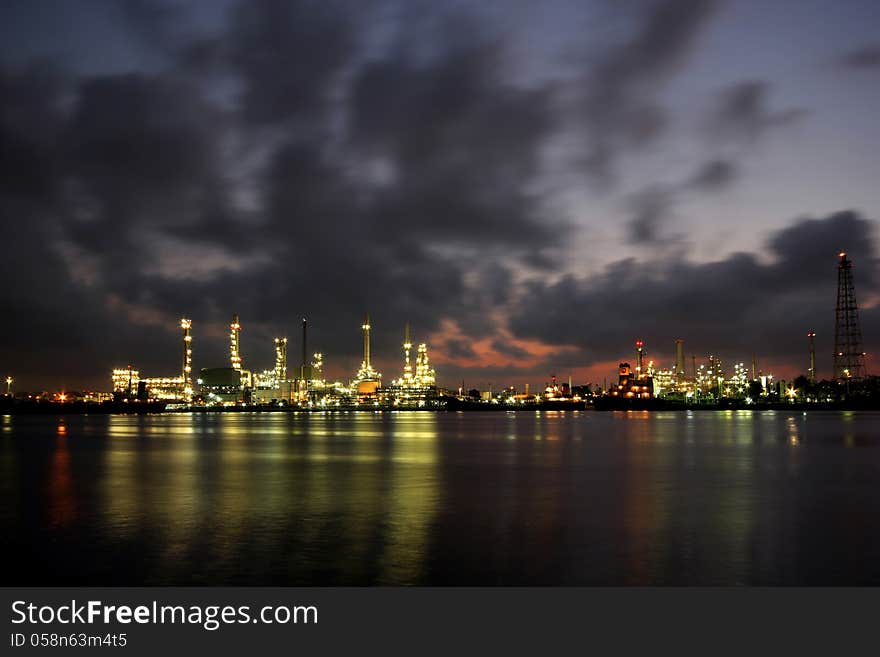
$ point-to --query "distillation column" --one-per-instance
(407, 347)
(280, 361)
(186, 372)
(234, 344)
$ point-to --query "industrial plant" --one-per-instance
(711, 383)
(235, 385)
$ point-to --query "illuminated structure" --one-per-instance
(407, 368)
(630, 386)
(280, 360)
(414, 387)
(9, 381)
(234, 343)
(367, 380)
(220, 385)
(272, 386)
(849, 359)
(315, 391)
(737, 386)
(425, 375)
(638, 384)
(639, 356)
(167, 388)
(125, 381)
(665, 382)
(710, 380)
(812, 371)
(554, 391)
(186, 373)
(128, 383)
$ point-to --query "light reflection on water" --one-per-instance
(733, 497)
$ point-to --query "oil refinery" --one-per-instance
(236, 385)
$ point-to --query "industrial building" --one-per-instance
(638, 384)
(127, 383)
(367, 381)
(417, 386)
(220, 385)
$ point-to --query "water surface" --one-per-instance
(527, 498)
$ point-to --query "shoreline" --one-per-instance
(150, 408)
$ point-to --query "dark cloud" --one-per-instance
(742, 113)
(30, 124)
(459, 349)
(866, 57)
(510, 350)
(714, 175)
(652, 209)
(288, 55)
(454, 124)
(620, 105)
(318, 159)
(157, 23)
(712, 306)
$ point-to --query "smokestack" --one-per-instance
(679, 359)
(366, 329)
(639, 345)
(302, 369)
(812, 335)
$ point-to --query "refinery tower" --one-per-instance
(367, 380)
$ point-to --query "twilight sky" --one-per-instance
(533, 185)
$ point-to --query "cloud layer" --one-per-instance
(326, 159)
